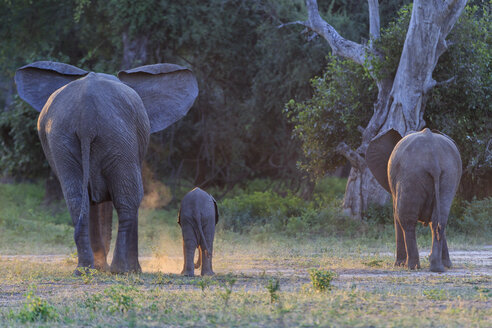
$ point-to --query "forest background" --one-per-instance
(259, 80)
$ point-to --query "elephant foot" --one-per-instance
(81, 270)
(399, 262)
(188, 273)
(437, 267)
(207, 273)
(413, 264)
(125, 267)
(447, 263)
(103, 267)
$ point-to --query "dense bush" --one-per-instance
(474, 219)
(265, 212)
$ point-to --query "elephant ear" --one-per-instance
(378, 153)
(168, 91)
(216, 211)
(37, 81)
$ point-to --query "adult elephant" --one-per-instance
(422, 171)
(94, 129)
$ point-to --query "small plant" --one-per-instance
(87, 275)
(321, 279)
(93, 302)
(435, 294)
(273, 286)
(36, 309)
(204, 283)
(120, 298)
(374, 263)
(161, 279)
(228, 284)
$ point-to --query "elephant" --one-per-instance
(94, 130)
(198, 216)
(422, 172)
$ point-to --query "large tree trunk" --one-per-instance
(134, 51)
(401, 101)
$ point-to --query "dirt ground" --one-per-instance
(468, 265)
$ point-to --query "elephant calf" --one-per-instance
(197, 217)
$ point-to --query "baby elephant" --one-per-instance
(197, 217)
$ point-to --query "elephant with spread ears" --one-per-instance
(94, 129)
(422, 172)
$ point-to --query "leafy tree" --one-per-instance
(460, 107)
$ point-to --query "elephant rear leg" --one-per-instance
(408, 226)
(101, 216)
(125, 256)
(189, 247)
(446, 261)
(72, 190)
(401, 252)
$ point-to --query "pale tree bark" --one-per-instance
(401, 101)
(134, 51)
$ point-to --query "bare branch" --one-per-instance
(355, 159)
(292, 23)
(360, 129)
(339, 45)
(433, 83)
(374, 27)
(450, 80)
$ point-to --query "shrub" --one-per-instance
(36, 309)
(321, 279)
(259, 208)
(475, 218)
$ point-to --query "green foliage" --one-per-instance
(463, 108)
(474, 219)
(321, 279)
(259, 208)
(273, 286)
(435, 294)
(36, 309)
(227, 284)
(120, 298)
(341, 102)
(87, 274)
(21, 154)
(379, 214)
(390, 44)
(23, 218)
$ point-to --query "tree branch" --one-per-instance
(374, 27)
(355, 159)
(339, 45)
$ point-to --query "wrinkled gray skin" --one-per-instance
(197, 217)
(94, 129)
(422, 171)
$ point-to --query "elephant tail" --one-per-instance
(436, 211)
(203, 241)
(198, 263)
(84, 206)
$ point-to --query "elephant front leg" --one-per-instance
(436, 255)
(101, 216)
(401, 252)
(125, 257)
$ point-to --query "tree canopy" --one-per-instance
(249, 64)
